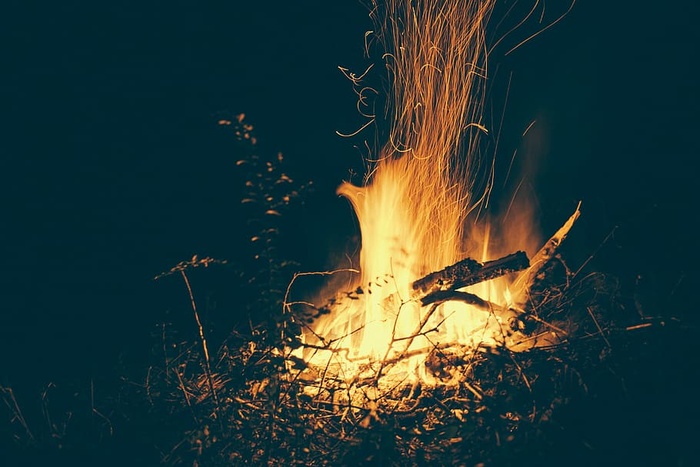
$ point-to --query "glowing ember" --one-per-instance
(418, 212)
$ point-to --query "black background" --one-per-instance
(112, 171)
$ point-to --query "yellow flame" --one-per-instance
(414, 207)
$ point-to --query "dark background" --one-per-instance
(113, 171)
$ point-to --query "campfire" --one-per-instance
(436, 276)
(455, 330)
(460, 333)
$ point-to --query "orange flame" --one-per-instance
(418, 197)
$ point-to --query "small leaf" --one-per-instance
(364, 423)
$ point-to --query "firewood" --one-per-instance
(467, 272)
(466, 297)
(526, 279)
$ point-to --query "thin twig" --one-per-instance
(17, 415)
(600, 330)
(605, 240)
(186, 394)
(203, 339)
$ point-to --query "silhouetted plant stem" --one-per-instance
(203, 340)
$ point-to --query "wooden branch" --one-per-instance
(526, 279)
(467, 272)
(466, 297)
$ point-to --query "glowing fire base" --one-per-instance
(427, 338)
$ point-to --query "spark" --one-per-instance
(425, 200)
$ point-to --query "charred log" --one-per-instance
(465, 273)
(453, 295)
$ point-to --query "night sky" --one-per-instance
(113, 169)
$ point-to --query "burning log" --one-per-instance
(441, 286)
(526, 280)
(466, 297)
(465, 273)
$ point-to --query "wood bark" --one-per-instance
(465, 273)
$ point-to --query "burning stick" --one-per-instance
(526, 280)
(466, 272)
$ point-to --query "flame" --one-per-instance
(417, 209)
